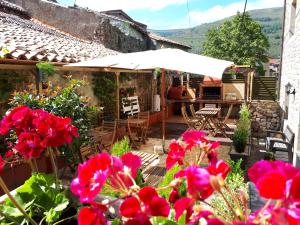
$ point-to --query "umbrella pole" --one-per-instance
(163, 74)
(118, 95)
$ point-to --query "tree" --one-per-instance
(240, 40)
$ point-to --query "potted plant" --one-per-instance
(45, 69)
(130, 91)
(240, 149)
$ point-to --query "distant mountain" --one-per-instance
(270, 19)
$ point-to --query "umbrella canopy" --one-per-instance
(169, 59)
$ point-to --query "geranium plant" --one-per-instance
(277, 181)
(36, 131)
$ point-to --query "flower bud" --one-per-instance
(174, 196)
(217, 182)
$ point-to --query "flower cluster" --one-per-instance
(36, 130)
(143, 205)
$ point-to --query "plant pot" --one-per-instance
(236, 156)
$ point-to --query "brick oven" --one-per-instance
(211, 89)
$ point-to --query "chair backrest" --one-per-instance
(228, 113)
(145, 116)
(186, 117)
(289, 135)
(192, 108)
(131, 105)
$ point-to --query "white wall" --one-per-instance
(291, 72)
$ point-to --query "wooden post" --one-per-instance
(118, 95)
(251, 86)
(163, 75)
(37, 81)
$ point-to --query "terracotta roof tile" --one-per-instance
(29, 40)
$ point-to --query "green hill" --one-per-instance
(270, 19)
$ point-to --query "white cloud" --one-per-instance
(219, 12)
(127, 5)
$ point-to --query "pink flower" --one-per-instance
(198, 182)
(92, 174)
(133, 162)
(175, 155)
(294, 191)
(92, 215)
(29, 145)
(2, 164)
(147, 203)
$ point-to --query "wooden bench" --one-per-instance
(281, 144)
(152, 173)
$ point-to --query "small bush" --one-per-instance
(121, 147)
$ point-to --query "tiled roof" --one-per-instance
(163, 39)
(8, 6)
(31, 40)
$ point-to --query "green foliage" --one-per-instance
(46, 68)
(121, 147)
(195, 37)
(241, 134)
(169, 177)
(236, 183)
(240, 40)
(104, 86)
(39, 197)
(67, 102)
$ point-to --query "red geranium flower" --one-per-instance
(194, 137)
(124, 170)
(2, 164)
(219, 168)
(147, 203)
(205, 217)
(20, 119)
(92, 175)
(92, 215)
(175, 155)
(29, 145)
(182, 205)
(271, 178)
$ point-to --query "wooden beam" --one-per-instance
(16, 67)
(163, 75)
(118, 95)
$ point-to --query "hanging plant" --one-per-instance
(46, 69)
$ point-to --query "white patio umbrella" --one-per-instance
(165, 59)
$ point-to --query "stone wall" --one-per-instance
(88, 25)
(267, 113)
(291, 72)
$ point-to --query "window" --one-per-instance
(293, 17)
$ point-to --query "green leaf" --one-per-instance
(170, 222)
(182, 219)
(116, 222)
(51, 216)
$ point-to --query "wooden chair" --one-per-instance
(145, 116)
(193, 123)
(105, 136)
(133, 133)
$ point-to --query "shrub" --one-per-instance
(241, 134)
(121, 147)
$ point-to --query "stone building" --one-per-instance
(290, 71)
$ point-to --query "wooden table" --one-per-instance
(210, 120)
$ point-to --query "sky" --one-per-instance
(175, 14)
